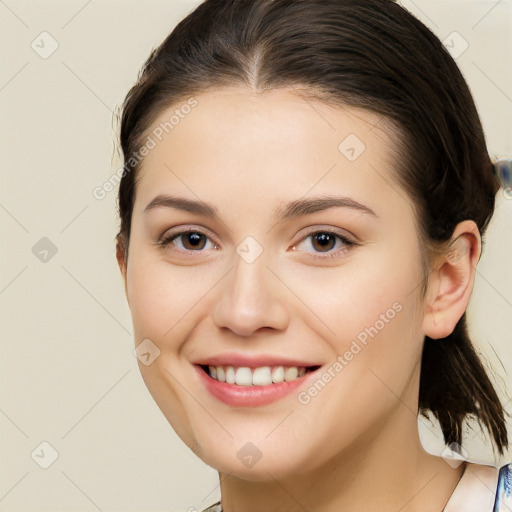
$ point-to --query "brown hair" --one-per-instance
(369, 54)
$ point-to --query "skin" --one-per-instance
(355, 445)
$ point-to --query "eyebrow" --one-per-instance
(311, 205)
(290, 210)
(180, 203)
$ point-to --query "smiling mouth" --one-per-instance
(260, 376)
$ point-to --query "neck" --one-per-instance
(385, 469)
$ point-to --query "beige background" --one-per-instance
(69, 377)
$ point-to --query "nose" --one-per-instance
(251, 299)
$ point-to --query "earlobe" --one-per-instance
(451, 282)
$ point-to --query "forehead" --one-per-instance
(271, 116)
(270, 143)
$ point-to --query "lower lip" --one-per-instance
(249, 396)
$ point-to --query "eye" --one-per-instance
(190, 240)
(327, 244)
(323, 242)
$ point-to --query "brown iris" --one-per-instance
(325, 241)
(194, 239)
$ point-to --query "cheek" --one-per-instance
(370, 310)
(366, 290)
(163, 301)
(163, 297)
(376, 351)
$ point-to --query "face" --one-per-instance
(240, 272)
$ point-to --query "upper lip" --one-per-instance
(253, 361)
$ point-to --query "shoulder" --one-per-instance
(482, 488)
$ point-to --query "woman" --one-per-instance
(305, 192)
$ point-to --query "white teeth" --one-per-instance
(278, 374)
(291, 373)
(221, 374)
(262, 376)
(243, 376)
(230, 375)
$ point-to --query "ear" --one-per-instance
(121, 260)
(451, 282)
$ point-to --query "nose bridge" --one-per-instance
(250, 298)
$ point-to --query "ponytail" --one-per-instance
(454, 384)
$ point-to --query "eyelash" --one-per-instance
(347, 243)
(166, 241)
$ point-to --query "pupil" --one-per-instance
(324, 239)
(194, 239)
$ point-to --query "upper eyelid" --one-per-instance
(168, 239)
(327, 229)
(183, 231)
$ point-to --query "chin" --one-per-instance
(251, 464)
(260, 472)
